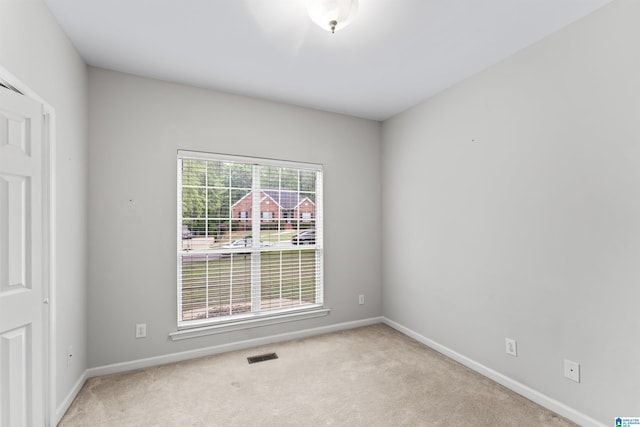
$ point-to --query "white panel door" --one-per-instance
(21, 282)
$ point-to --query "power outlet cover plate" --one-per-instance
(141, 330)
(511, 347)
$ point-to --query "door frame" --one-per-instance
(48, 243)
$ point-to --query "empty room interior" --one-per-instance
(457, 181)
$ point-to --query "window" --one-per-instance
(234, 266)
(306, 216)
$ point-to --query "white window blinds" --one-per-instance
(249, 238)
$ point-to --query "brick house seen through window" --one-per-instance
(282, 207)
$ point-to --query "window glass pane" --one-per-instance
(218, 174)
(194, 172)
(288, 278)
(239, 227)
(193, 287)
(216, 249)
(215, 285)
(218, 203)
(194, 202)
(194, 228)
(269, 177)
(289, 179)
(240, 201)
(218, 228)
(307, 181)
(241, 176)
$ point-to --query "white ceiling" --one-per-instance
(395, 54)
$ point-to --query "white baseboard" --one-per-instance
(192, 354)
(223, 348)
(66, 403)
(511, 384)
(523, 390)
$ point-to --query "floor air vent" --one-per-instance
(262, 358)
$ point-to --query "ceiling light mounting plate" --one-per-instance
(332, 15)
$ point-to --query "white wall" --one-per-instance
(36, 51)
(526, 181)
(529, 232)
(137, 126)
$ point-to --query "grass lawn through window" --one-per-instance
(221, 285)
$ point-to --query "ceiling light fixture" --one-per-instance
(332, 15)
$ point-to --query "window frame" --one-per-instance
(190, 328)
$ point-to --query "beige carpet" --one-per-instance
(371, 376)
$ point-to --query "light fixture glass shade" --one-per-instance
(332, 15)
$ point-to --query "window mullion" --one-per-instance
(280, 278)
(231, 285)
(206, 286)
(255, 240)
(206, 236)
(300, 266)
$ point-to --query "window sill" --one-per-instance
(248, 323)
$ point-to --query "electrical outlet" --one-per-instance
(361, 299)
(572, 370)
(69, 355)
(511, 347)
(141, 330)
